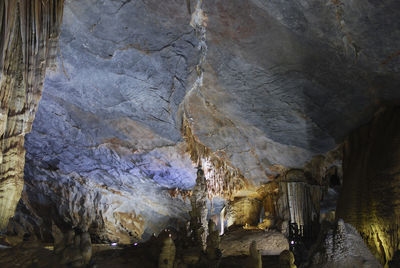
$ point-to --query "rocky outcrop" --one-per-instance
(341, 245)
(29, 33)
(238, 242)
(371, 184)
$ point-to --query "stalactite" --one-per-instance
(299, 201)
(176, 192)
(223, 179)
(29, 32)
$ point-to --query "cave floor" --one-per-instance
(234, 248)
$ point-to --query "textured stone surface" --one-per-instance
(342, 246)
(371, 184)
(259, 87)
(281, 82)
(238, 242)
(28, 38)
(105, 147)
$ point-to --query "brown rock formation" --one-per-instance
(243, 210)
(223, 179)
(29, 32)
(371, 183)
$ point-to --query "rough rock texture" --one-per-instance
(246, 88)
(371, 184)
(299, 201)
(284, 81)
(28, 39)
(73, 249)
(243, 210)
(342, 246)
(199, 212)
(105, 146)
(238, 242)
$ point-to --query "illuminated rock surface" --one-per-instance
(26, 49)
(371, 187)
(238, 242)
(145, 91)
(342, 246)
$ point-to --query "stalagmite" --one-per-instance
(255, 260)
(29, 33)
(167, 255)
(199, 211)
(286, 259)
(213, 241)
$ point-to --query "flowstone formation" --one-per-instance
(29, 32)
(371, 184)
(340, 245)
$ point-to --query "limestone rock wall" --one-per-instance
(106, 146)
(371, 183)
(29, 33)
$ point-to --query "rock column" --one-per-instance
(29, 31)
(199, 211)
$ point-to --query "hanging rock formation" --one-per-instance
(29, 33)
(371, 183)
